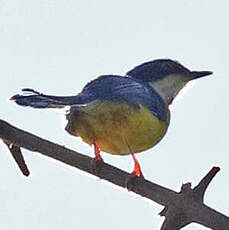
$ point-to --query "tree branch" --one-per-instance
(18, 157)
(180, 208)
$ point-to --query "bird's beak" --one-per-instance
(199, 74)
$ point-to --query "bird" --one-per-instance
(121, 115)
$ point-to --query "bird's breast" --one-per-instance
(116, 127)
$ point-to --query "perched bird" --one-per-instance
(121, 114)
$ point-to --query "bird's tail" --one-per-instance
(35, 99)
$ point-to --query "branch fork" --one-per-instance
(176, 214)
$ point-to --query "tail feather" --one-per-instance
(35, 99)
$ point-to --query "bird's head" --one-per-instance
(166, 76)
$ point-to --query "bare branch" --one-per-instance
(18, 157)
(202, 186)
(180, 208)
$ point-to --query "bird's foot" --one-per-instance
(132, 179)
(96, 164)
(97, 161)
(137, 174)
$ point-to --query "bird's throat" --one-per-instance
(169, 87)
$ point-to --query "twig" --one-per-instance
(18, 157)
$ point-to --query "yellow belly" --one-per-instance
(116, 127)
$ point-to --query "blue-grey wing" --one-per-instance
(117, 88)
(108, 87)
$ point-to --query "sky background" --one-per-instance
(58, 46)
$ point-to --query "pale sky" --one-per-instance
(56, 47)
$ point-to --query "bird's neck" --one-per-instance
(169, 87)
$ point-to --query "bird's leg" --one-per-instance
(137, 169)
(98, 157)
(137, 172)
(97, 160)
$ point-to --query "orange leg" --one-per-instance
(137, 169)
(137, 173)
(98, 157)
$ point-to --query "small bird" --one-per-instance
(121, 115)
